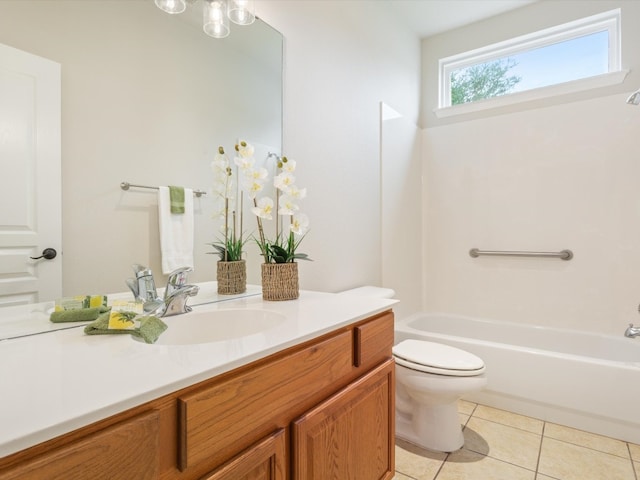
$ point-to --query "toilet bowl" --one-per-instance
(430, 379)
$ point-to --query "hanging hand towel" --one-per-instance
(176, 231)
(176, 196)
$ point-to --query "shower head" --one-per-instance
(634, 98)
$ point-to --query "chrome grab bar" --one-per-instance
(564, 254)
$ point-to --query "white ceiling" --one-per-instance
(429, 17)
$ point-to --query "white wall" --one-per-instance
(342, 58)
(544, 177)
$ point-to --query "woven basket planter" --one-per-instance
(280, 281)
(232, 277)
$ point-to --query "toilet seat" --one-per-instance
(436, 358)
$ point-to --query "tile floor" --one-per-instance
(501, 445)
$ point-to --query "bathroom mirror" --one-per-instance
(147, 98)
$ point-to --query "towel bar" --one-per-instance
(564, 254)
(127, 185)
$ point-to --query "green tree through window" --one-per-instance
(485, 80)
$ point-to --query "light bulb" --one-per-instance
(241, 12)
(215, 22)
(171, 6)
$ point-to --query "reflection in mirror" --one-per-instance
(146, 98)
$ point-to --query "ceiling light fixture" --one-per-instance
(215, 13)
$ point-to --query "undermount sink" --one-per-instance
(216, 325)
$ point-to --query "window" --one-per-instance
(582, 49)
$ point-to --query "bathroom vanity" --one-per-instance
(311, 398)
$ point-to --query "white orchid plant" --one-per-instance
(224, 188)
(283, 248)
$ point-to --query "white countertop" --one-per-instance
(56, 382)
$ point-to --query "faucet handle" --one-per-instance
(137, 268)
(177, 279)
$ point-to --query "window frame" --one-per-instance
(609, 21)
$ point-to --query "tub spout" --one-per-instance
(632, 331)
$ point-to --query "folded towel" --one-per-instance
(149, 330)
(78, 315)
(176, 197)
(176, 232)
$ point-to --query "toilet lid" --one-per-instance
(437, 358)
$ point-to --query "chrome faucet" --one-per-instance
(176, 302)
(144, 288)
(177, 293)
(632, 331)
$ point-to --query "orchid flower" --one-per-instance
(288, 165)
(283, 181)
(297, 193)
(253, 183)
(244, 163)
(230, 249)
(299, 224)
(283, 248)
(244, 149)
(222, 175)
(286, 206)
(263, 208)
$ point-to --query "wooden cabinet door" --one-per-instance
(125, 451)
(350, 436)
(265, 460)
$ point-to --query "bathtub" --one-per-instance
(583, 380)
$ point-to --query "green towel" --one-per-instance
(78, 315)
(176, 197)
(149, 330)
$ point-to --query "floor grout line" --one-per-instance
(633, 467)
(593, 449)
(441, 466)
(510, 426)
(544, 426)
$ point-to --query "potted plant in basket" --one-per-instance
(231, 267)
(279, 270)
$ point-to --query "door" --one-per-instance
(264, 461)
(350, 436)
(125, 451)
(30, 216)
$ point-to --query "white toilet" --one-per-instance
(369, 291)
(430, 379)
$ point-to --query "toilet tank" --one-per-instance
(370, 291)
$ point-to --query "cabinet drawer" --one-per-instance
(220, 420)
(125, 451)
(373, 340)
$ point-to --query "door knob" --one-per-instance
(47, 254)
